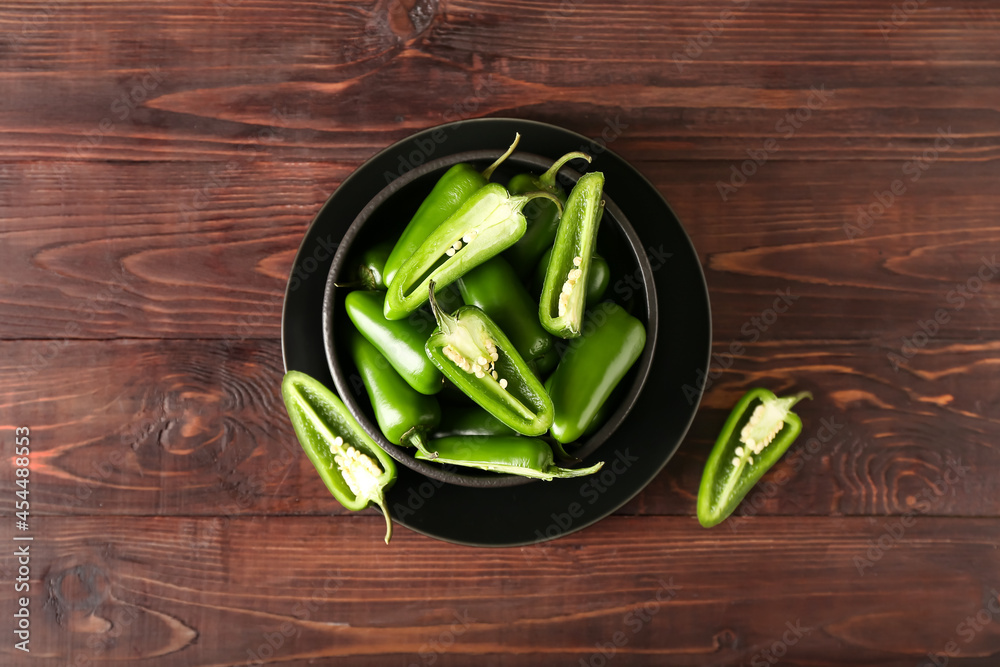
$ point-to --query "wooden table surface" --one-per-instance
(161, 162)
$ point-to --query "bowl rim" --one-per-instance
(642, 367)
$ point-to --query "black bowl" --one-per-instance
(643, 443)
(385, 216)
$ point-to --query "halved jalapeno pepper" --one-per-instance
(456, 185)
(542, 216)
(599, 276)
(564, 291)
(472, 352)
(487, 223)
(354, 468)
(758, 431)
(495, 288)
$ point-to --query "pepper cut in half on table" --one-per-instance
(355, 469)
(495, 288)
(401, 342)
(758, 431)
(486, 224)
(527, 457)
(451, 191)
(472, 352)
(542, 216)
(404, 415)
(592, 367)
(560, 309)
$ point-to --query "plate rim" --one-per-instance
(394, 148)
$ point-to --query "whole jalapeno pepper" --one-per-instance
(564, 291)
(592, 367)
(401, 342)
(404, 415)
(514, 455)
(759, 430)
(600, 417)
(597, 281)
(370, 269)
(495, 288)
(541, 216)
(472, 352)
(456, 185)
(487, 223)
(471, 420)
(354, 468)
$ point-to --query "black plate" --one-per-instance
(643, 443)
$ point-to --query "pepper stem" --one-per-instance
(522, 200)
(548, 179)
(488, 172)
(416, 439)
(379, 500)
(563, 473)
(445, 321)
(561, 453)
(798, 397)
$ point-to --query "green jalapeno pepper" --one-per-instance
(758, 431)
(487, 222)
(598, 420)
(472, 351)
(456, 185)
(471, 420)
(541, 216)
(404, 415)
(495, 288)
(401, 342)
(354, 468)
(564, 291)
(592, 367)
(597, 282)
(370, 270)
(527, 457)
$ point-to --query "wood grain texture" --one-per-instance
(666, 591)
(159, 165)
(204, 251)
(198, 428)
(328, 67)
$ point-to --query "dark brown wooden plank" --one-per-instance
(198, 427)
(179, 591)
(210, 259)
(221, 74)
